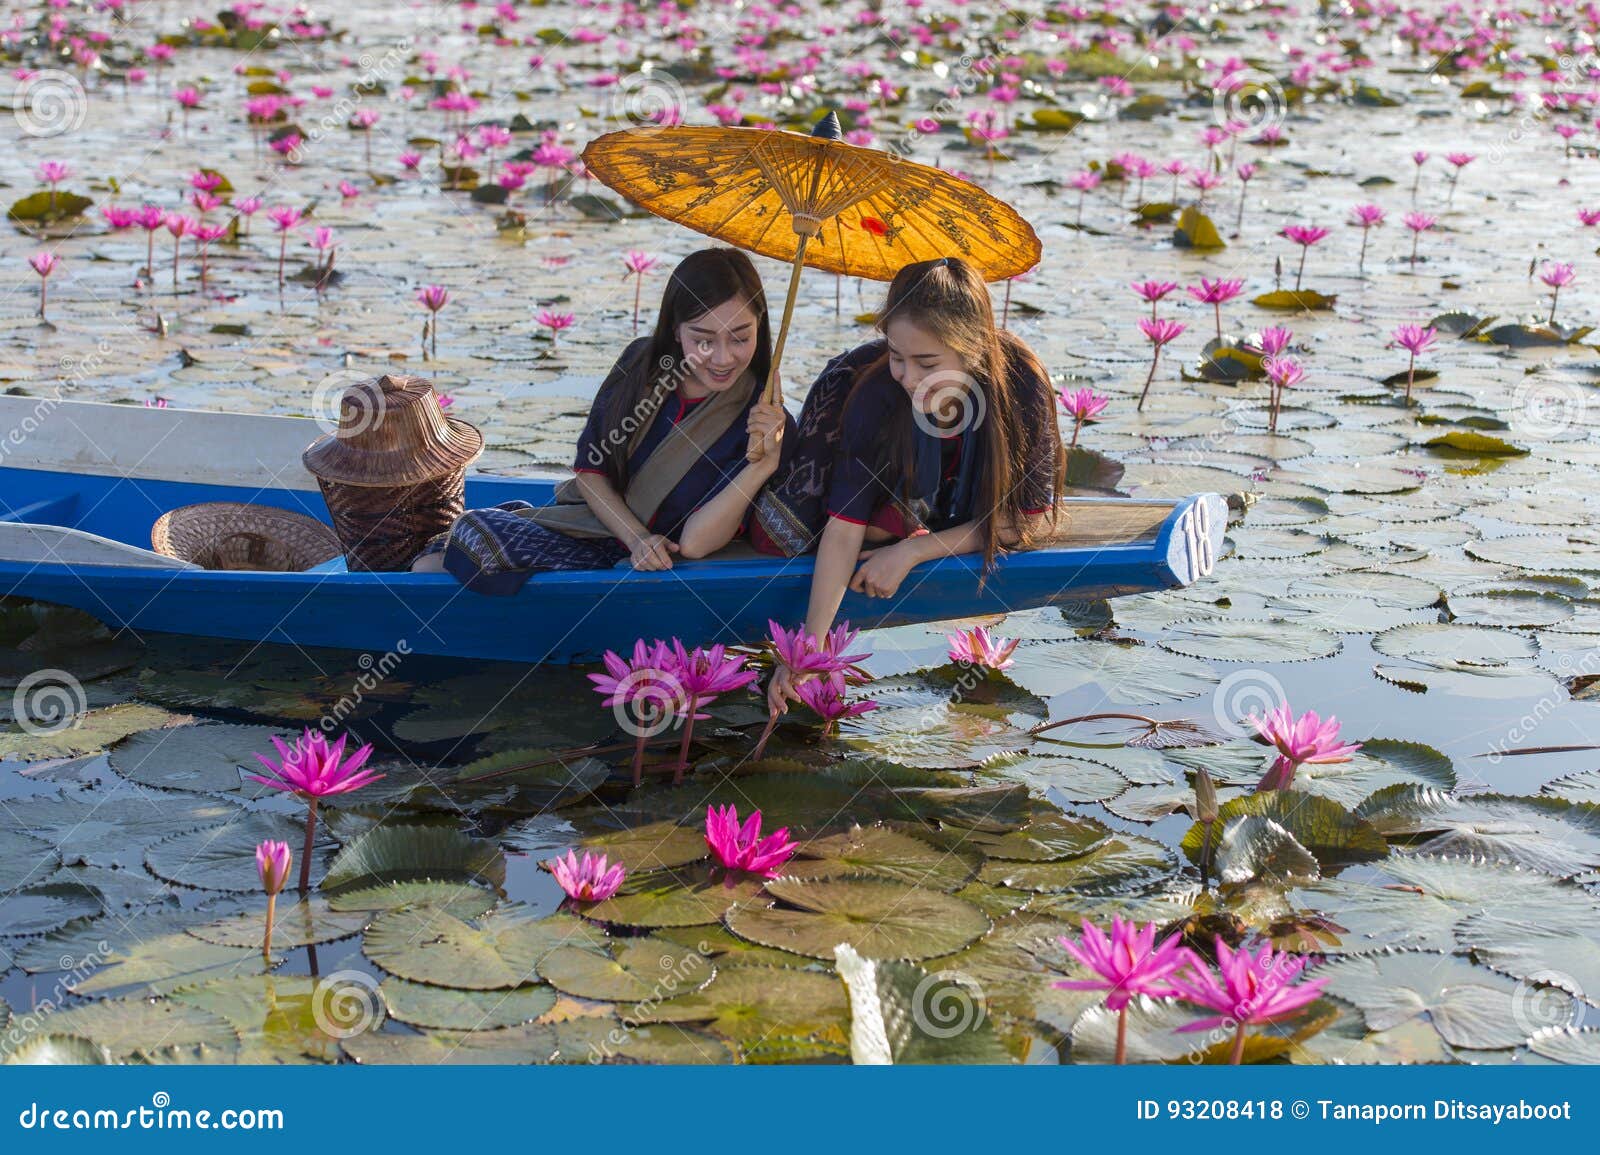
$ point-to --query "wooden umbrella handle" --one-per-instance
(772, 391)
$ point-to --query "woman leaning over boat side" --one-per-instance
(661, 466)
(940, 438)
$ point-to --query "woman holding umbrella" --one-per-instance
(938, 439)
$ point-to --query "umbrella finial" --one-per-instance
(828, 127)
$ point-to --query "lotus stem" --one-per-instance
(1155, 360)
(1122, 1037)
(683, 750)
(1411, 374)
(638, 759)
(1361, 262)
(1236, 1056)
(1093, 718)
(761, 745)
(1076, 426)
(1555, 294)
(266, 938)
(1300, 272)
(305, 856)
(283, 248)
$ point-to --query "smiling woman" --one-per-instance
(660, 468)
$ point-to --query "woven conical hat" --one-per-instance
(393, 432)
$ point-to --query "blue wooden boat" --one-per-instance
(82, 483)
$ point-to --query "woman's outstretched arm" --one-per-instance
(649, 551)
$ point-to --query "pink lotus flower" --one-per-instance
(1308, 739)
(1589, 217)
(1160, 332)
(637, 263)
(555, 322)
(1084, 405)
(119, 218)
(825, 697)
(804, 653)
(433, 297)
(1130, 962)
(1558, 275)
(646, 693)
(739, 847)
(410, 160)
(1305, 236)
(1252, 990)
(313, 770)
(1366, 217)
(155, 402)
(44, 263)
(591, 880)
(975, 647)
(287, 146)
(1216, 294)
(273, 861)
(1418, 223)
(1154, 291)
(1415, 339)
(1274, 341)
(1085, 182)
(1283, 373)
(705, 674)
(1457, 161)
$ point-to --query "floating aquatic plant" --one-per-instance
(273, 861)
(1159, 333)
(591, 879)
(1299, 741)
(313, 769)
(1246, 990)
(1083, 405)
(1127, 963)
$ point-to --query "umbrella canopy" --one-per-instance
(812, 200)
(874, 212)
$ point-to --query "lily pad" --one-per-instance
(285, 1018)
(642, 970)
(1127, 675)
(689, 897)
(294, 924)
(1295, 299)
(611, 1040)
(902, 1014)
(396, 853)
(1119, 864)
(58, 1051)
(131, 1028)
(1257, 848)
(654, 846)
(1329, 831)
(1545, 834)
(879, 919)
(527, 1043)
(1449, 647)
(89, 732)
(223, 857)
(448, 1009)
(883, 853)
(748, 1003)
(205, 757)
(1249, 640)
(500, 949)
(1048, 837)
(463, 900)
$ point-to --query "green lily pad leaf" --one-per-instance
(1373, 918)
(1545, 834)
(131, 1028)
(640, 972)
(1473, 444)
(24, 859)
(1090, 469)
(46, 907)
(1076, 779)
(1127, 675)
(1348, 1041)
(902, 1014)
(413, 852)
(527, 1043)
(111, 831)
(88, 733)
(1568, 1045)
(1367, 94)
(1119, 864)
(58, 1051)
(1550, 956)
(1448, 647)
(165, 963)
(47, 206)
(878, 918)
(1153, 1035)
(1483, 682)
(1541, 553)
(1054, 120)
(1380, 762)
(1469, 1006)
(1330, 832)
(611, 1040)
(223, 857)
(501, 949)
(1295, 299)
(287, 1018)
(542, 710)
(1196, 231)
(1049, 837)
(463, 900)
(1584, 787)
(1254, 847)
(206, 757)
(294, 924)
(447, 1009)
(1341, 615)
(1387, 589)
(999, 807)
(748, 1003)
(656, 846)
(1248, 640)
(883, 853)
(1515, 609)
(547, 786)
(922, 722)
(688, 897)
(1146, 107)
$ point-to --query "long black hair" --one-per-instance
(948, 298)
(701, 281)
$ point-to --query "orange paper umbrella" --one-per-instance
(813, 200)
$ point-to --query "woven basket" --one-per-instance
(230, 535)
(394, 474)
(383, 529)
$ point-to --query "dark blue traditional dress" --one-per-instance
(841, 466)
(493, 551)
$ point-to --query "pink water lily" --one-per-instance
(1418, 223)
(1154, 291)
(555, 322)
(804, 653)
(1308, 739)
(273, 861)
(704, 674)
(432, 298)
(284, 219)
(637, 264)
(1457, 161)
(1084, 405)
(313, 769)
(741, 847)
(1216, 294)
(1128, 962)
(1246, 990)
(1558, 275)
(646, 692)
(1283, 373)
(1305, 236)
(1159, 332)
(591, 879)
(1367, 218)
(975, 647)
(1414, 339)
(44, 263)
(825, 697)
(1274, 340)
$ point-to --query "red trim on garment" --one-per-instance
(601, 472)
(842, 517)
